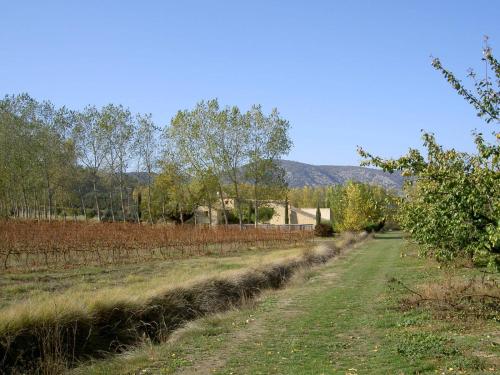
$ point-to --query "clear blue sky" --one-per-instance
(342, 72)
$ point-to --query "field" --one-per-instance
(321, 307)
(345, 317)
(84, 285)
(107, 306)
(31, 245)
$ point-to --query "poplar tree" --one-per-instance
(147, 147)
(268, 141)
(122, 131)
(91, 140)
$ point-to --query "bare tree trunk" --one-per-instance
(256, 209)
(97, 201)
(209, 211)
(149, 205)
(49, 199)
(240, 214)
(25, 203)
(55, 209)
(128, 203)
(238, 205)
(111, 206)
(83, 205)
(163, 210)
(139, 202)
(223, 205)
(121, 196)
(31, 207)
(35, 207)
(16, 209)
(256, 203)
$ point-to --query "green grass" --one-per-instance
(341, 318)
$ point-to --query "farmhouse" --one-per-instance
(296, 215)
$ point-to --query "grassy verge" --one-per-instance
(341, 318)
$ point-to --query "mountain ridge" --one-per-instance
(300, 174)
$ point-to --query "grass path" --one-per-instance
(330, 325)
(340, 318)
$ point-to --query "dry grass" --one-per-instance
(33, 337)
(458, 297)
(85, 284)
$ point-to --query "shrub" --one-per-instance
(323, 230)
(375, 227)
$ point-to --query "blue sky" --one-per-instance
(344, 73)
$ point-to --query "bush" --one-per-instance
(374, 227)
(323, 230)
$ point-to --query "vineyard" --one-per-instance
(32, 245)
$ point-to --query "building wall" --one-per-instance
(308, 215)
(298, 215)
(202, 216)
(279, 214)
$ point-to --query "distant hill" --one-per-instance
(140, 178)
(301, 174)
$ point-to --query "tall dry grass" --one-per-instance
(477, 297)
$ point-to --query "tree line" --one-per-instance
(57, 162)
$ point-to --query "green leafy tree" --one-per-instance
(36, 157)
(452, 201)
(196, 137)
